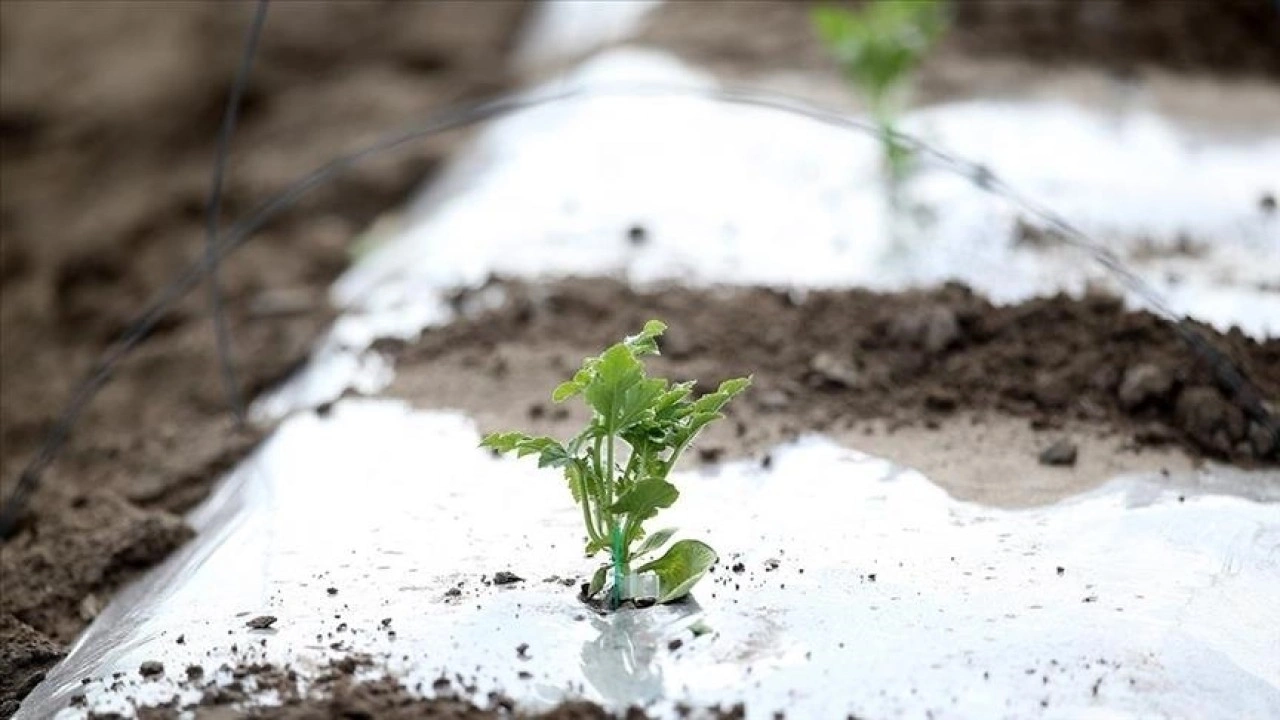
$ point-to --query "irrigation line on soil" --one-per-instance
(1243, 391)
(222, 338)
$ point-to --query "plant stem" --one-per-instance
(592, 533)
(615, 532)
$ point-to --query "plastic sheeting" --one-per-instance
(865, 589)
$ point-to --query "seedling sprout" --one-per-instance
(879, 47)
(618, 466)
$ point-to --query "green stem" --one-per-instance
(615, 532)
(592, 533)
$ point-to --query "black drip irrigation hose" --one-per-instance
(222, 336)
(1244, 393)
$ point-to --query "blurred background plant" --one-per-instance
(879, 47)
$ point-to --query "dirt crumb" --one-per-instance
(261, 622)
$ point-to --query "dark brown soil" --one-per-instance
(107, 124)
(1232, 36)
(826, 360)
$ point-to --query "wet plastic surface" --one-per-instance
(863, 587)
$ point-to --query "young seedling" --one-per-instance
(617, 468)
(879, 47)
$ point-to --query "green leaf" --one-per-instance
(653, 542)
(597, 580)
(646, 342)
(503, 442)
(645, 498)
(595, 546)
(550, 453)
(619, 392)
(565, 390)
(680, 568)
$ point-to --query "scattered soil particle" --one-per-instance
(522, 651)
(262, 622)
(1267, 203)
(637, 235)
(1060, 454)
(710, 454)
(331, 591)
(847, 356)
(506, 578)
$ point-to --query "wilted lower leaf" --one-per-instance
(597, 580)
(680, 568)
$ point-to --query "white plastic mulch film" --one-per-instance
(864, 588)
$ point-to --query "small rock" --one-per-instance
(1061, 453)
(834, 371)
(506, 578)
(933, 328)
(90, 606)
(1263, 440)
(522, 651)
(675, 644)
(194, 672)
(262, 622)
(738, 567)
(332, 590)
(151, 668)
(1142, 384)
(1212, 421)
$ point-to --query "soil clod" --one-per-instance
(262, 622)
(1060, 454)
(151, 668)
(505, 577)
(1144, 384)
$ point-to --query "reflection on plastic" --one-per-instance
(847, 585)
